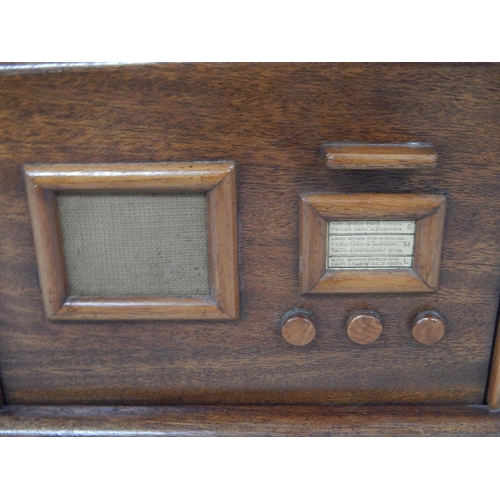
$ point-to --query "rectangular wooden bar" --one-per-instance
(379, 156)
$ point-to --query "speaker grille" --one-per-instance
(135, 244)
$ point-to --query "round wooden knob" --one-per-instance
(428, 327)
(364, 327)
(297, 327)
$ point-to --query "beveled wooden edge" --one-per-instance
(249, 420)
(379, 206)
(352, 156)
(317, 209)
(217, 179)
(182, 177)
(429, 245)
(60, 67)
(493, 389)
(312, 248)
(372, 281)
(139, 308)
(48, 246)
(223, 244)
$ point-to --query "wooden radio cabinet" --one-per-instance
(343, 229)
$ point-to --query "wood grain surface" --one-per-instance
(270, 120)
(288, 420)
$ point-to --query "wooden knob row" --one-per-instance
(363, 327)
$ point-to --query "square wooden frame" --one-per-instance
(217, 179)
(317, 209)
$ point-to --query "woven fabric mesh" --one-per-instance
(135, 244)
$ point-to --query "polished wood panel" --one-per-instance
(317, 209)
(288, 420)
(270, 121)
(218, 179)
(379, 156)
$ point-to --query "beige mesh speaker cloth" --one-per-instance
(135, 244)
